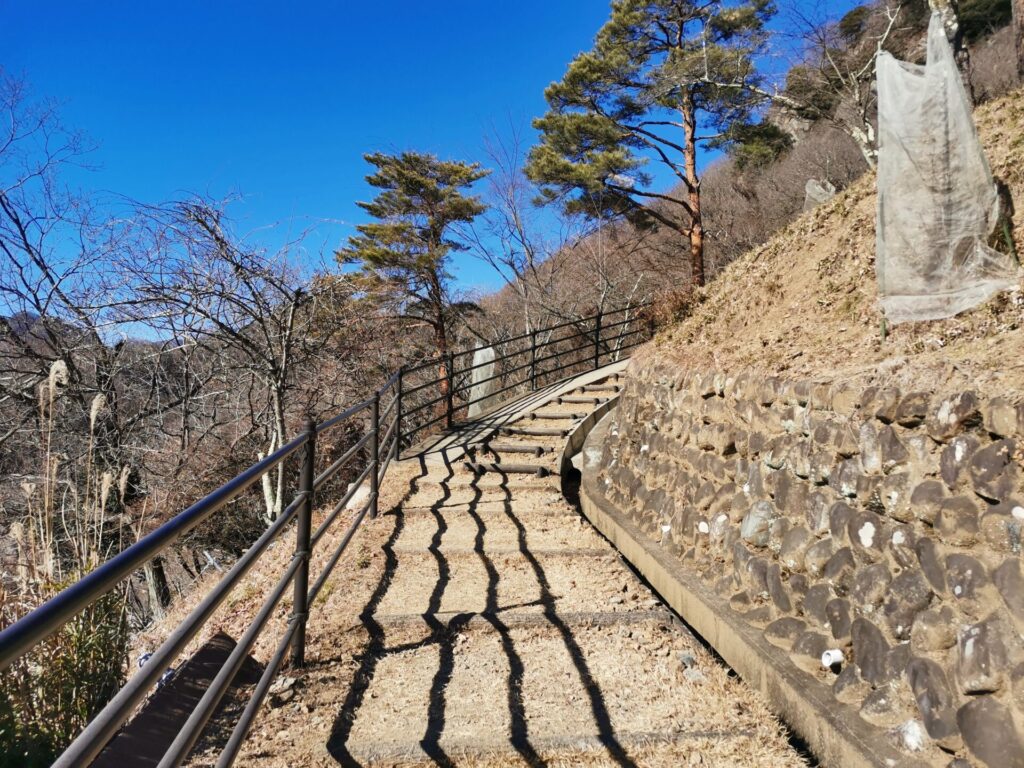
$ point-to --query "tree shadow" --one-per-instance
(519, 736)
(376, 648)
(519, 727)
(431, 741)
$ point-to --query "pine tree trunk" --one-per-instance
(441, 343)
(697, 251)
(1018, 35)
(693, 186)
(442, 367)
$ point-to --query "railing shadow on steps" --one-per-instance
(443, 635)
(402, 409)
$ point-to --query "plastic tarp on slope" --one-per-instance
(937, 201)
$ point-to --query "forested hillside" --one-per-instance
(150, 350)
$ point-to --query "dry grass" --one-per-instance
(806, 303)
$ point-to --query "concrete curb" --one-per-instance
(574, 442)
(835, 732)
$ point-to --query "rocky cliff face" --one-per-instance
(881, 522)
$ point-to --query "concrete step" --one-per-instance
(457, 475)
(499, 447)
(535, 431)
(511, 581)
(547, 459)
(567, 416)
(398, 627)
(505, 468)
(547, 507)
(575, 399)
(572, 691)
(463, 478)
(602, 392)
(497, 529)
(543, 493)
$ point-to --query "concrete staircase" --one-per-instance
(546, 649)
(502, 629)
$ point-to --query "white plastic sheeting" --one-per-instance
(937, 202)
(817, 192)
(484, 383)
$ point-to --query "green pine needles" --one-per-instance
(664, 77)
(404, 254)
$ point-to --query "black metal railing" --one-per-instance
(409, 404)
(522, 363)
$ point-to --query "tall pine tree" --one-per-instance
(404, 256)
(663, 78)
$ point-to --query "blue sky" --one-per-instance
(278, 102)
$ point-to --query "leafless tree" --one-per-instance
(835, 80)
(515, 236)
(555, 267)
(59, 297)
(196, 282)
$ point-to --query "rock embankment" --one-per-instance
(880, 522)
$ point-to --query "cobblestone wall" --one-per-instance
(881, 523)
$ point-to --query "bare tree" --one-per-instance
(514, 236)
(835, 82)
(556, 266)
(59, 299)
(199, 284)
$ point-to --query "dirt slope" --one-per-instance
(806, 303)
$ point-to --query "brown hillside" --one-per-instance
(806, 302)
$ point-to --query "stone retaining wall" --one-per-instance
(882, 523)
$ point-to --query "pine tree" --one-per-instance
(663, 78)
(404, 255)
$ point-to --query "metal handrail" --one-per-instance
(546, 329)
(31, 629)
(596, 340)
(387, 430)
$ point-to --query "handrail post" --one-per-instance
(597, 341)
(533, 361)
(449, 374)
(300, 607)
(398, 411)
(375, 454)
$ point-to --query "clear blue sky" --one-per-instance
(278, 101)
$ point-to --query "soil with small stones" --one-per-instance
(805, 304)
